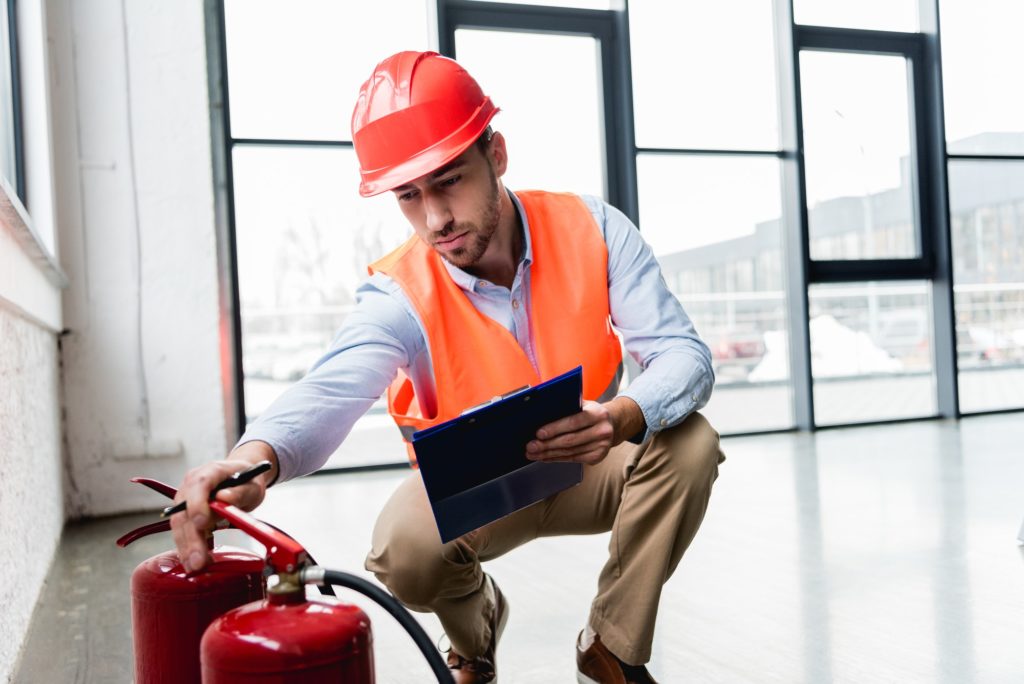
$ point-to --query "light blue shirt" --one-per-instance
(383, 333)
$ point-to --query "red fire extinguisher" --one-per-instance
(171, 607)
(283, 638)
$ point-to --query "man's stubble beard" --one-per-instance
(465, 257)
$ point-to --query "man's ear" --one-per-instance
(498, 154)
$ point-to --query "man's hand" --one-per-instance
(191, 526)
(587, 436)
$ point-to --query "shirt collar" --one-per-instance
(469, 282)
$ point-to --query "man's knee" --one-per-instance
(409, 565)
(691, 449)
(413, 565)
(404, 543)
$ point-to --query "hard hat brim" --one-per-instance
(432, 158)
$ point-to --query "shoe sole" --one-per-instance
(584, 679)
(499, 629)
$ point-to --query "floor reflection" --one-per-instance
(873, 554)
(814, 580)
(954, 632)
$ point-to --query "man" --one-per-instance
(495, 288)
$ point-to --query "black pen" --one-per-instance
(238, 478)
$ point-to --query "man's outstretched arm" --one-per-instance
(299, 431)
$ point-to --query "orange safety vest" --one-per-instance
(475, 358)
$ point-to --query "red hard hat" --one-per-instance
(416, 112)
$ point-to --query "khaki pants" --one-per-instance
(652, 497)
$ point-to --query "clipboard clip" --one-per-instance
(496, 399)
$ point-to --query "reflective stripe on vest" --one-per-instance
(474, 358)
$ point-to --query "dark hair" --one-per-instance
(484, 141)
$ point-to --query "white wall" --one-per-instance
(142, 376)
(120, 199)
(31, 514)
(31, 510)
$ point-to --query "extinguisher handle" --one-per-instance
(284, 554)
(239, 478)
(144, 531)
(157, 486)
(154, 528)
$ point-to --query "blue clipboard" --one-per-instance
(474, 467)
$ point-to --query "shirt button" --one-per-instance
(515, 303)
(664, 422)
(694, 397)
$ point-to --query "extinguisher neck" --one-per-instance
(293, 598)
(284, 589)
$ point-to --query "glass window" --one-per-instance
(704, 74)
(871, 351)
(551, 118)
(987, 222)
(8, 158)
(722, 257)
(982, 58)
(880, 15)
(295, 73)
(857, 144)
(304, 238)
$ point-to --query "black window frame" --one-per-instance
(611, 28)
(931, 207)
(909, 46)
(19, 151)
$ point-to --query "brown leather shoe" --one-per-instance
(598, 665)
(482, 668)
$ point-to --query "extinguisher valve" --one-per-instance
(285, 588)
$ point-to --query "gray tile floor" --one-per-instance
(872, 554)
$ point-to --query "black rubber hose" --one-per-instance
(398, 611)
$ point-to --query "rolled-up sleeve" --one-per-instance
(307, 423)
(677, 375)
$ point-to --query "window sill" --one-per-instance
(30, 278)
(14, 215)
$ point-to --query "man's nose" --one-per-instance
(439, 215)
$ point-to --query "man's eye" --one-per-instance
(406, 196)
(448, 182)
